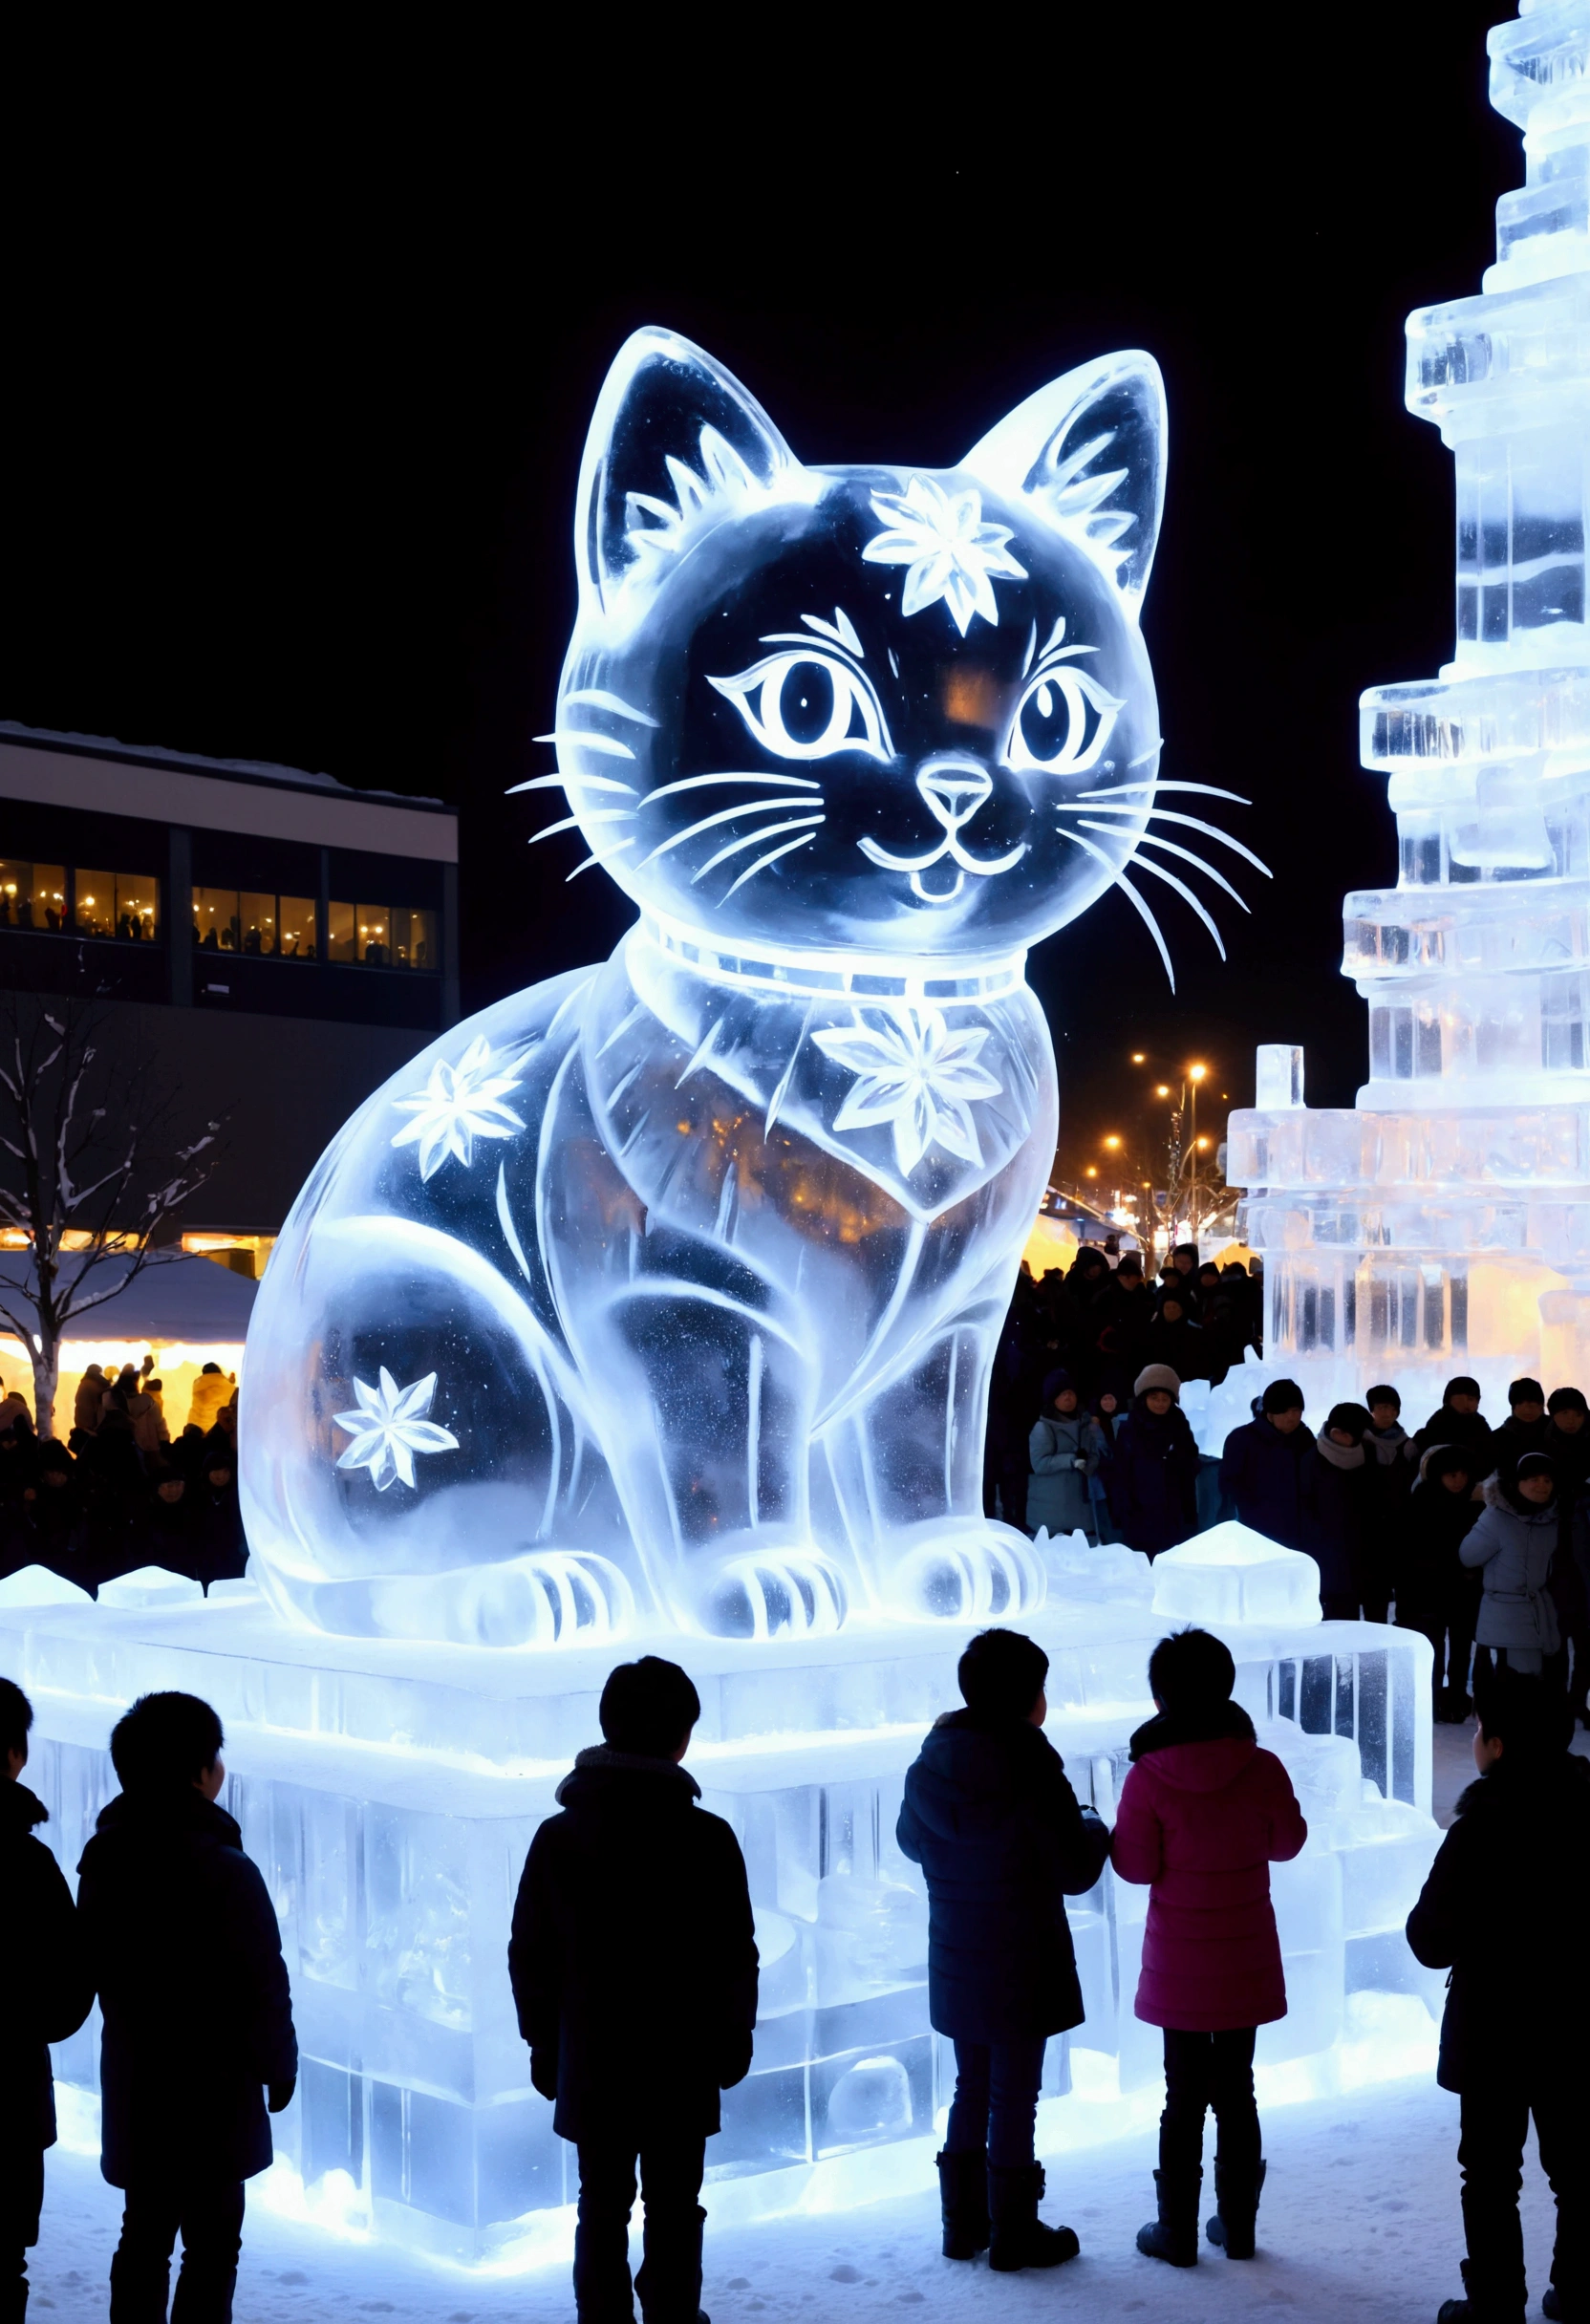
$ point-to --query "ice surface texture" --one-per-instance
(1232, 1574)
(1444, 1224)
(666, 1292)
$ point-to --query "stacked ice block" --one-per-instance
(389, 1794)
(1444, 1224)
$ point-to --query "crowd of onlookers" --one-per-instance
(121, 1491)
(1478, 1536)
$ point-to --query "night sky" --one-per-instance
(295, 402)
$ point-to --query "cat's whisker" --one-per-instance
(1170, 847)
(599, 855)
(696, 783)
(570, 783)
(572, 823)
(751, 839)
(693, 830)
(1122, 882)
(1193, 823)
(763, 861)
(1115, 790)
(604, 743)
(598, 698)
(1144, 864)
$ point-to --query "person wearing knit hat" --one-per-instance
(1269, 1469)
(1154, 1376)
(1512, 1545)
(1340, 1511)
(1525, 1429)
(1459, 1421)
(1067, 1450)
(1152, 1481)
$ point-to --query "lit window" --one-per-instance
(381, 935)
(296, 928)
(33, 896)
(121, 904)
(217, 924)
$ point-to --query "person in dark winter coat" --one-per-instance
(1504, 1909)
(1154, 1473)
(1436, 1592)
(1340, 1511)
(1175, 1341)
(1203, 1814)
(186, 1958)
(633, 1964)
(1527, 1427)
(1270, 1467)
(989, 1815)
(1514, 1544)
(1067, 1450)
(1459, 1421)
(1391, 1468)
(47, 1994)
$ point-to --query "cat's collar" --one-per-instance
(858, 975)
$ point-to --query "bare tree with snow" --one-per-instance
(93, 1170)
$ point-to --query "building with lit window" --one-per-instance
(276, 942)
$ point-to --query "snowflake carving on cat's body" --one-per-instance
(459, 1104)
(388, 1427)
(949, 552)
(915, 1075)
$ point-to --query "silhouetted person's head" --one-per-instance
(168, 1743)
(1462, 1394)
(16, 1716)
(1568, 1409)
(648, 1709)
(1282, 1406)
(1002, 1676)
(1521, 1722)
(1191, 1670)
(1384, 1406)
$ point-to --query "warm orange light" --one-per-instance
(1203, 1141)
(1112, 1144)
(1164, 1089)
(1091, 1172)
(1138, 1058)
(1196, 1073)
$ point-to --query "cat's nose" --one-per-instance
(953, 789)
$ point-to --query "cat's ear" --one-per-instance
(676, 444)
(1088, 452)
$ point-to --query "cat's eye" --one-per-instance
(1061, 724)
(807, 705)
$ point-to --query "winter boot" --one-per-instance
(1237, 2194)
(1020, 2239)
(1174, 2236)
(963, 2204)
(1473, 2310)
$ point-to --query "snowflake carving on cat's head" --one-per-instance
(876, 711)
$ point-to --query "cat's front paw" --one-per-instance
(776, 1592)
(967, 1569)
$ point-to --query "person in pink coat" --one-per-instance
(1204, 1814)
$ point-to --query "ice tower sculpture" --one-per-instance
(1444, 1224)
(669, 1289)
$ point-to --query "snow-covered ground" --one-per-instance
(1359, 2219)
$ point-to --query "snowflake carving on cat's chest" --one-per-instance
(916, 1076)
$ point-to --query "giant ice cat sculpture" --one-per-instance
(672, 1284)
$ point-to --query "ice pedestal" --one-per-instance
(1232, 1574)
(389, 1795)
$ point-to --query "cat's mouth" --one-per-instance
(952, 791)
